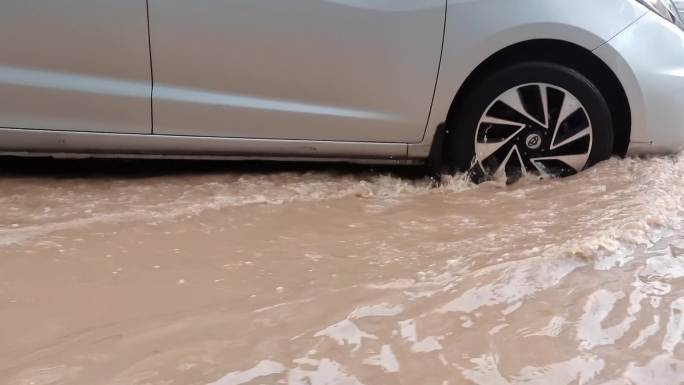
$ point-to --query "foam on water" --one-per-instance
(73, 204)
(651, 198)
(607, 218)
(578, 268)
(262, 369)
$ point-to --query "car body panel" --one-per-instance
(338, 70)
(316, 79)
(80, 65)
(648, 59)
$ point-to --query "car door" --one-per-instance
(75, 65)
(333, 70)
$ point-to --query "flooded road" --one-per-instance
(231, 274)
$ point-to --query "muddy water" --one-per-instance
(237, 275)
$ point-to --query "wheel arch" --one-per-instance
(564, 53)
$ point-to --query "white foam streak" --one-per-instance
(262, 369)
(380, 310)
(132, 202)
(597, 308)
(512, 283)
(579, 370)
(552, 329)
(345, 332)
(386, 360)
(661, 370)
(675, 326)
(328, 372)
(646, 333)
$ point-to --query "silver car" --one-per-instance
(497, 87)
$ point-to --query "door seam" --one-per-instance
(439, 68)
(149, 50)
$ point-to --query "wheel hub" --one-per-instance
(533, 141)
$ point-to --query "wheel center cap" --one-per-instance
(533, 141)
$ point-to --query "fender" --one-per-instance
(476, 30)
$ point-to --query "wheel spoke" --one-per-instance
(532, 97)
(485, 149)
(541, 168)
(545, 104)
(493, 120)
(501, 169)
(577, 162)
(512, 99)
(569, 106)
(580, 134)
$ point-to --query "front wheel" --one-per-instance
(531, 118)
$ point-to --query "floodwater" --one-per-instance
(132, 273)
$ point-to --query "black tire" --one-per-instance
(464, 122)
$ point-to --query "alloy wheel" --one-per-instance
(534, 128)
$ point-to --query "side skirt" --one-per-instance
(23, 142)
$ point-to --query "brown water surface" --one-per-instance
(142, 273)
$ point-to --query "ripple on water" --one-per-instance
(608, 275)
(578, 280)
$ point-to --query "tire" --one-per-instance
(530, 118)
